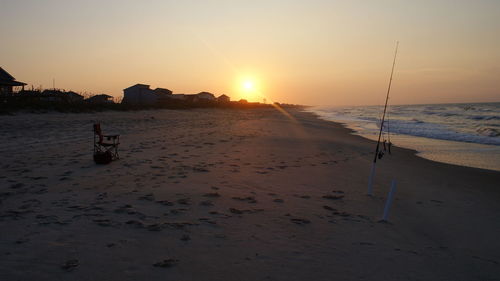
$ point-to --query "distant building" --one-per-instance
(100, 99)
(179, 96)
(205, 96)
(8, 82)
(162, 91)
(162, 94)
(60, 96)
(202, 96)
(223, 98)
(73, 97)
(141, 93)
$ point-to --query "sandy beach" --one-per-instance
(212, 194)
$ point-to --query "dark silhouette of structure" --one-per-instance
(105, 152)
(8, 82)
(100, 99)
(60, 96)
(223, 99)
(142, 94)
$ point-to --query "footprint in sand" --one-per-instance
(212, 194)
(166, 263)
(178, 211)
(70, 264)
(342, 214)
(333, 197)
(248, 199)
(300, 221)
(128, 209)
(17, 185)
(165, 202)
(207, 220)
(104, 222)
(206, 203)
(329, 208)
(240, 212)
(147, 197)
(184, 201)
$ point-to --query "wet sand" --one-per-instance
(233, 195)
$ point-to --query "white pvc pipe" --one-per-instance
(388, 203)
(370, 180)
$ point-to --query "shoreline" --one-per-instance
(211, 194)
(466, 154)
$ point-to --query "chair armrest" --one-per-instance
(109, 137)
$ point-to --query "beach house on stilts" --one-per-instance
(8, 83)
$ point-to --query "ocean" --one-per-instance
(461, 134)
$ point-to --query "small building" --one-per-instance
(162, 95)
(8, 82)
(191, 98)
(139, 93)
(60, 96)
(205, 96)
(178, 96)
(72, 97)
(142, 94)
(100, 99)
(194, 98)
(223, 99)
(162, 91)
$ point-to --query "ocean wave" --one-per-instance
(439, 131)
(483, 117)
(489, 132)
(427, 112)
(478, 124)
(435, 108)
(448, 114)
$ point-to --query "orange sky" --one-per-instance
(307, 52)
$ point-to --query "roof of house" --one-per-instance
(7, 79)
(73, 94)
(138, 86)
(4, 75)
(100, 98)
(102, 95)
(162, 89)
(205, 93)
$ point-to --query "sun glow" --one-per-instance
(248, 85)
(248, 88)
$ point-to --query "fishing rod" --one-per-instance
(377, 149)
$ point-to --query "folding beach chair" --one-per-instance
(105, 152)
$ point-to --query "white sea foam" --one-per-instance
(473, 129)
(476, 123)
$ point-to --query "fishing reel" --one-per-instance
(387, 148)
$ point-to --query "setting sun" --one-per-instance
(248, 85)
(249, 88)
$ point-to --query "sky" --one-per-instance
(304, 52)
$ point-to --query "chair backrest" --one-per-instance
(98, 132)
